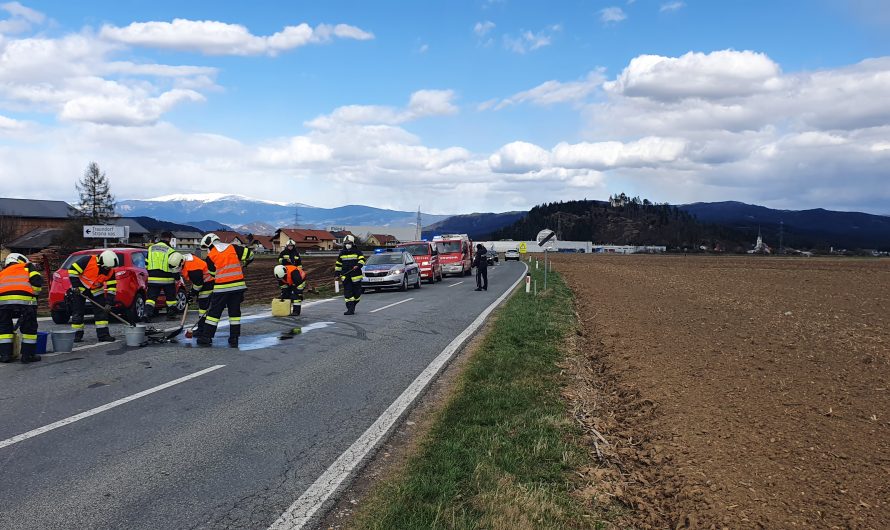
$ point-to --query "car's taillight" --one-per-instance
(57, 276)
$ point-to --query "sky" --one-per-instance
(452, 106)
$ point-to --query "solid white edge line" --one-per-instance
(455, 284)
(103, 408)
(301, 512)
(390, 305)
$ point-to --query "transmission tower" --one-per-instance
(781, 237)
(418, 231)
(296, 217)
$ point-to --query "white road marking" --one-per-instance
(390, 305)
(301, 512)
(456, 284)
(103, 408)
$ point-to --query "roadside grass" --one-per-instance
(500, 452)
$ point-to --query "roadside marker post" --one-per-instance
(336, 286)
(528, 282)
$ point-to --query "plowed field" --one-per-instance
(737, 392)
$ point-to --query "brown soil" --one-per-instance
(736, 392)
(262, 285)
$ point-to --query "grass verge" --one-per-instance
(500, 452)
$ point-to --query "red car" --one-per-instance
(131, 286)
(427, 257)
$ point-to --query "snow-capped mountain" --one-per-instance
(238, 210)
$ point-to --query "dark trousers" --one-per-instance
(27, 316)
(78, 306)
(482, 277)
(153, 290)
(352, 290)
(231, 302)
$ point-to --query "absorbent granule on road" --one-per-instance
(737, 391)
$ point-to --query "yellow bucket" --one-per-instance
(281, 307)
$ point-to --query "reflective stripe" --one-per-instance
(235, 286)
(171, 304)
(5, 338)
(76, 326)
(29, 339)
(101, 323)
(155, 279)
(17, 300)
(150, 302)
(234, 319)
(210, 321)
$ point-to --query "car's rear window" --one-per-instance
(418, 250)
(447, 247)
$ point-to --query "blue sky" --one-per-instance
(459, 106)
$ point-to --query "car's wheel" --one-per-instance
(404, 286)
(181, 300)
(60, 316)
(419, 281)
(136, 311)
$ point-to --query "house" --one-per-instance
(381, 240)
(139, 235)
(339, 235)
(305, 239)
(35, 240)
(229, 236)
(21, 216)
(401, 233)
(264, 244)
(187, 240)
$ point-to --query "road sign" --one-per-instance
(522, 248)
(546, 236)
(106, 231)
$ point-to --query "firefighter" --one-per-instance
(480, 261)
(195, 271)
(20, 283)
(93, 276)
(160, 277)
(290, 255)
(225, 262)
(349, 268)
(292, 282)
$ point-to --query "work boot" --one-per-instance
(478, 288)
(149, 313)
(78, 336)
(32, 358)
(107, 338)
(233, 342)
(172, 314)
(204, 342)
(350, 308)
(295, 311)
(104, 335)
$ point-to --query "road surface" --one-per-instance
(173, 436)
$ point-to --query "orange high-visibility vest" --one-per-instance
(228, 274)
(91, 278)
(196, 264)
(15, 285)
(288, 277)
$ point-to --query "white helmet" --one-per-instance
(290, 243)
(13, 258)
(188, 256)
(175, 261)
(208, 240)
(108, 259)
(280, 271)
(349, 241)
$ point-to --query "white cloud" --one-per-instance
(672, 6)
(423, 103)
(10, 124)
(129, 109)
(552, 92)
(21, 18)
(423, 48)
(529, 41)
(482, 28)
(718, 74)
(519, 157)
(219, 38)
(612, 14)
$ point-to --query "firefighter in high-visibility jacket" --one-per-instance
(289, 255)
(160, 277)
(93, 276)
(292, 282)
(225, 263)
(20, 283)
(349, 268)
(195, 271)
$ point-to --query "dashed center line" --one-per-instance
(456, 284)
(390, 305)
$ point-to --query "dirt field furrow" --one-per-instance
(736, 391)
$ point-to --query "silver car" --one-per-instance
(513, 253)
(391, 267)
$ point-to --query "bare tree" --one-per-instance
(96, 201)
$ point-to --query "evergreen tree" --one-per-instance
(96, 201)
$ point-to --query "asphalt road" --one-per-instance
(230, 447)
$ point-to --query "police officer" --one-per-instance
(292, 282)
(20, 283)
(349, 268)
(290, 255)
(225, 262)
(160, 277)
(93, 276)
(480, 261)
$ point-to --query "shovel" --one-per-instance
(106, 308)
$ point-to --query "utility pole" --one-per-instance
(418, 231)
(296, 217)
(781, 237)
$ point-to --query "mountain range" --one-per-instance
(236, 211)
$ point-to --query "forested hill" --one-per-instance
(624, 221)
